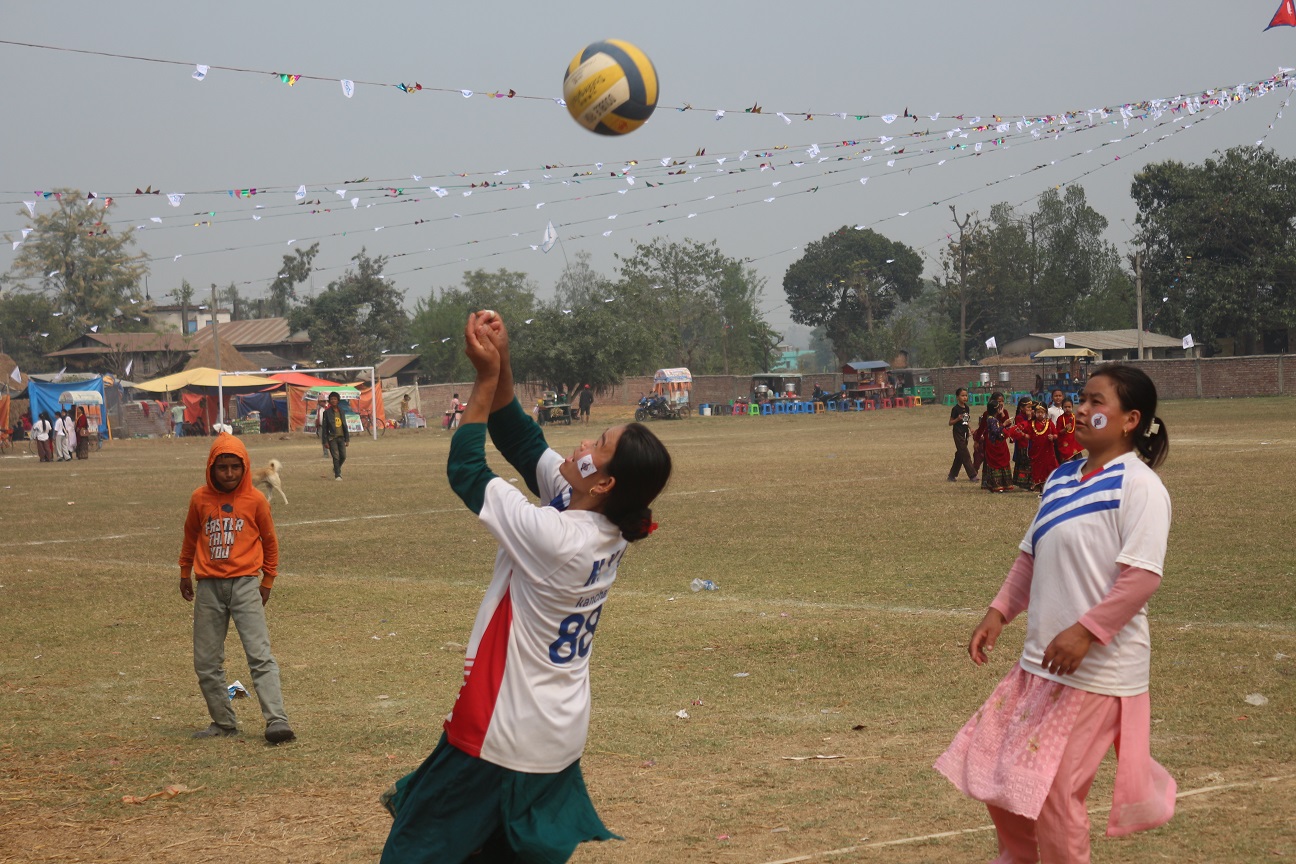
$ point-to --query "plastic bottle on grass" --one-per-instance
(703, 585)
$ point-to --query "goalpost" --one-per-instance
(373, 389)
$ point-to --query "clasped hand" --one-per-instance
(485, 343)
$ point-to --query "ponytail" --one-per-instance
(641, 466)
(1153, 442)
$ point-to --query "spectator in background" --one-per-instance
(177, 420)
(336, 436)
(62, 431)
(960, 416)
(586, 399)
(43, 432)
(82, 434)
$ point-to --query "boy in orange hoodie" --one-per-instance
(233, 522)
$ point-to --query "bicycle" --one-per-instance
(366, 421)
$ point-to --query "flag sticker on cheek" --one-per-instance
(585, 465)
(1099, 421)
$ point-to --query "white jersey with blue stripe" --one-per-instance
(1086, 528)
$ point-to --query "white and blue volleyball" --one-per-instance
(610, 87)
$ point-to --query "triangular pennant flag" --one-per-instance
(348, 88)
(31, 208)
(175, 198)
(129, 364)
(200, 72)
(1059, 341)
(1285, 16)
(59, 376)
(16, 375)
(1188, 340)
(991, 343)
(27, 231)
(301, 192)
(550, 238)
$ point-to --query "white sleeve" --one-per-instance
(1144, 522)
(548, 478)
(537, 539)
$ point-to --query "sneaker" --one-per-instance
(339, 477)
(215, 730)
(974, 479)
(278, 731)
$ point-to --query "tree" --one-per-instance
(356, 316)
(591, 344)
(230, 294)
(296, 270)
(848, 282)
(30, 327)
(76, 258)
(1218, 244)
(438, 322)
(184, 295)
(702, 305)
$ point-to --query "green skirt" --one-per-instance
(456, 806)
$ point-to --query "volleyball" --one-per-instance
(610, 87)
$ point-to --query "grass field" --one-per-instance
(850, 576)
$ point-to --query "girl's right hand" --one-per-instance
(985, 635)
(480, 347)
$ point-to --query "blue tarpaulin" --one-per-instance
(44, 395)
(271, 410)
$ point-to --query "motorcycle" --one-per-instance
(654, 407)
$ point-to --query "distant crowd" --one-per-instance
(1042, 435)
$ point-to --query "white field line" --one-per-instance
(280, 524)
(846, 850)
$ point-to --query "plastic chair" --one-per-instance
(948, 400)
(765, 409)
(887, 402)
(917, 401)
(755, 409)
(819, 408)
(831, 406)
(868, 404)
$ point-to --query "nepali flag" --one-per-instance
(1285, 16)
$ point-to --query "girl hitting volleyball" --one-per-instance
(1088, 564)
(504, 782)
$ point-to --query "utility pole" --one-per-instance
(1138, 294)
(220, 409)
(962, 285)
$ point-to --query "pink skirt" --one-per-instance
(1008, 754)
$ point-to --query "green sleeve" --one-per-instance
(466, 467)
(519, 440)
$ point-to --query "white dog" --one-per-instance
(268, 479)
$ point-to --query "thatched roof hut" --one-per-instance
(230, 359)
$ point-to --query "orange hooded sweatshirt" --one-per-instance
(229, 534)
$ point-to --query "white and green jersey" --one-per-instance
(525, 700)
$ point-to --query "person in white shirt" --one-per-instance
(1088, 564)
(42, 431)
(63, 433)
(504, 781)
(1055, 408)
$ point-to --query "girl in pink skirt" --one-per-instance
(1088, 564)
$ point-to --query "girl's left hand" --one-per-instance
(1068, 648)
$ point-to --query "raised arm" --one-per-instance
(466, 468)
(519, 440)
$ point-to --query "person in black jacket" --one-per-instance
(336, 437)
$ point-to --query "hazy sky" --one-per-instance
(111, 125)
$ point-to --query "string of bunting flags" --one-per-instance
(812, 150)
(1190, 100)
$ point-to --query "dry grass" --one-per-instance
(850, 575)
